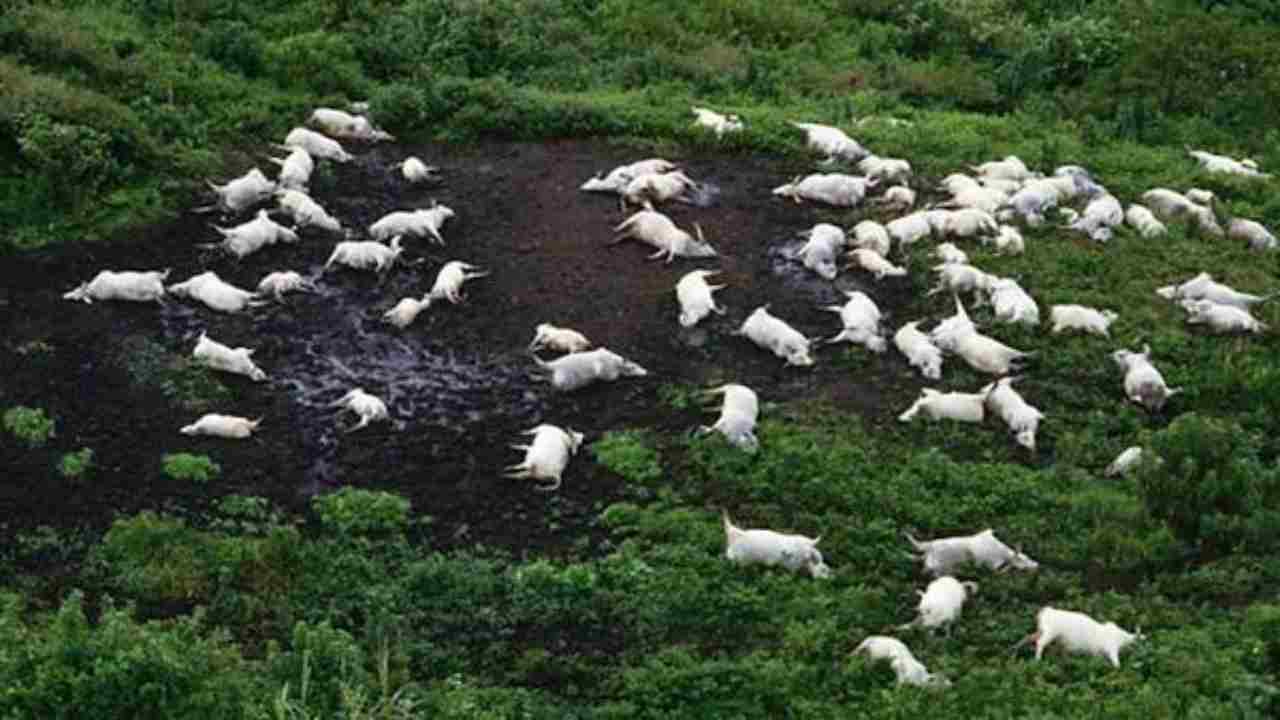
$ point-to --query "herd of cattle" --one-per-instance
(987, 206)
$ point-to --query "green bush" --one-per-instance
(629, 454)
(30, 425)
(321, 61)
(1206, 482)
(76, 465)
(355, 511)
(65, 666)
(79, 156)
(187, 467)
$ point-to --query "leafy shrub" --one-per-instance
(321, 61)
(1207, 482)
(117, 667)
(628, 454)
(236, 46)
(77, 155)
(355, 511)
(30, 425)
(187, 467)
(157, 558)
(76, 465)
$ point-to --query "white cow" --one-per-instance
(243, 192)
(907, 669)
(1084, 319)
(775, 335)
(919, 351)
(1221, 318)
(834, 189)
(617, 179)
(1144, 221)
(694, 296)
(1143, 383)
(448, 284)
(875, 263)
(365, 254)
(945, 555)
(935, 405)
(130, 285)
(766, 547)
(1018, 415)
(421, 223)
(653, 228)
(316, 144)
(305, 211)
(738, 414)
(871, 235)
(1080, 633)
(278, 283)
(831, 141)
(860, 319)
(416, 171)
(941, 603)
(213, 354)
(1252, 232)
(558, 338)
(546, 456)
(218, 295)
(223, 426)
(1125, 461)
(250, 237)
(717, 123)
(1204, 287)
(369, 407)
(1012, 304)
(295, 170)
(579, 369)
(338, 123)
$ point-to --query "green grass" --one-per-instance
(112, 113)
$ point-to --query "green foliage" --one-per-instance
(186, 467)
(29, 425)
(629, 454)
(186, 384)
(322, 61)
(356, 511)
(76, 465)
(63, 666)
(1208, 484)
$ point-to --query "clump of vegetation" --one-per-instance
(30, 425)
(187, 467)
(1207, 483)
(629, 453)
(355, 511)
(186, 384)
(76, 465)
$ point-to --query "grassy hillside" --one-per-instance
(113, 111)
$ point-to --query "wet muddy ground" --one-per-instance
(458, 382)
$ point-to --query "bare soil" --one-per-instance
(459, 380)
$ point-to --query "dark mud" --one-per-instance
(458, 381)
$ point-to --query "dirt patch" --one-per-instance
(458, 380)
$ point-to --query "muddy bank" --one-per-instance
(458, 381)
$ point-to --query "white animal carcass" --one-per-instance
(368, 407)
(131, 285)
(1012, 304)
(280, 282)
(546, 335)
(338, 123)
(1215, 163)
(406, 311)
(1145, 222)
(694, 296)
(1010, 168)
(739, 411)
(716, 122)
(546, 456)
(365, 254)
(657, 188)
(941, 603)
(1018, 415)
(831, 141)
(969, 222)
(223, 426)
(421, 223)
(579, 369)
(909, 229)
(945, 555)
(959, 278)
(919, 351)
(766, 547)
(295, 170)
(1251, 232)
(250, 237)
(618, 178)
(305, 211)
(1143, 383)
(213, 354)
(1124, 462)
(775, 335)
(653, 228)
(949, 254)
(985, 354)
(1080, 633)
(1084, 319)
(1204, 287)
(948, 332)
(885, 169)
(1221, 318)
(956, 406)
(211, 290)
(860, 319)
(820, 251)
(243, 192)
(875, 263)
(448, 284)
(1031, 203)
(871, 235)
(316, 144)
(1100, 217)
(898, 197)
(907, 669)
(1008, 241)
(416, 171)
(834, 189)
